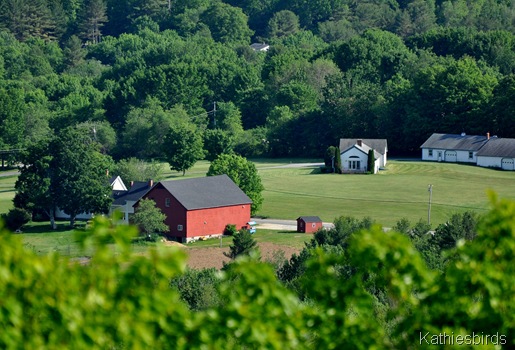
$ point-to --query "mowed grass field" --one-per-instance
(401, 190)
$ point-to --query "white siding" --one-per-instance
(437, 156)
(356, 155)
(441, 155)
(508, 164)
(118, 185)
(463, 157)
(489, 162)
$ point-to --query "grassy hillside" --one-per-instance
(399, 191)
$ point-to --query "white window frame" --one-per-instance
(430, 153)
(167, 202)
(180, 227)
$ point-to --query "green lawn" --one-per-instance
(6, 192)
(288, 238)
(399, 191)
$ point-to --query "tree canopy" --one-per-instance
(66, 172)
(243, 173)
(375, 69)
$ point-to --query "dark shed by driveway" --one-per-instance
(308, 224)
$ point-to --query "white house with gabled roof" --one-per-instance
(354, 154)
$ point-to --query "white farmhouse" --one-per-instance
(354, 154)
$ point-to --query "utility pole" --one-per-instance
(430, 189)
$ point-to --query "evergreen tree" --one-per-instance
(371, 162)
(242, 244)
(91, 19)
(337, 160)
(27, 18)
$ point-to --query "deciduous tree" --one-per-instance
(216, 142)
(149, 218)
(183, 147)
(243, 173)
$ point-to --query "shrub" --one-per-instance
(230, 230)
(16, 218)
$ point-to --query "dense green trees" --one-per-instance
(67, 172)
(342, 68)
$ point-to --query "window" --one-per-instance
(430, 153)
(471, 155)
(179, 227)
(167, 202)
(354, 164)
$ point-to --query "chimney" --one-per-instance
(360, 142)
(150, 183)
(488, 136)
(132, 184)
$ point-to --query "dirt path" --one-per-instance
(202, 258)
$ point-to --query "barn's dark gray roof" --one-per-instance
(498, 147)
(379, 145)
(310, 218)
(455, 142)
(206, 192)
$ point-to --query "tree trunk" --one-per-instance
(72, 220)
(51, 216)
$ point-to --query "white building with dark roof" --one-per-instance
(453, 148)
(497, 153)
(484, 151)
(354, 154)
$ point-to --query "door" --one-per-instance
(508, 164)
(451, 156)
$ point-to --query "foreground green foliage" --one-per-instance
(125, 301)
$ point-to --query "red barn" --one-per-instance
(308, 224)
(200, 207)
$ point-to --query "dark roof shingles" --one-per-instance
(137, 191)
(310, 218)
(498, 147)
(455, 142)
(206, 192)
(378, 145)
